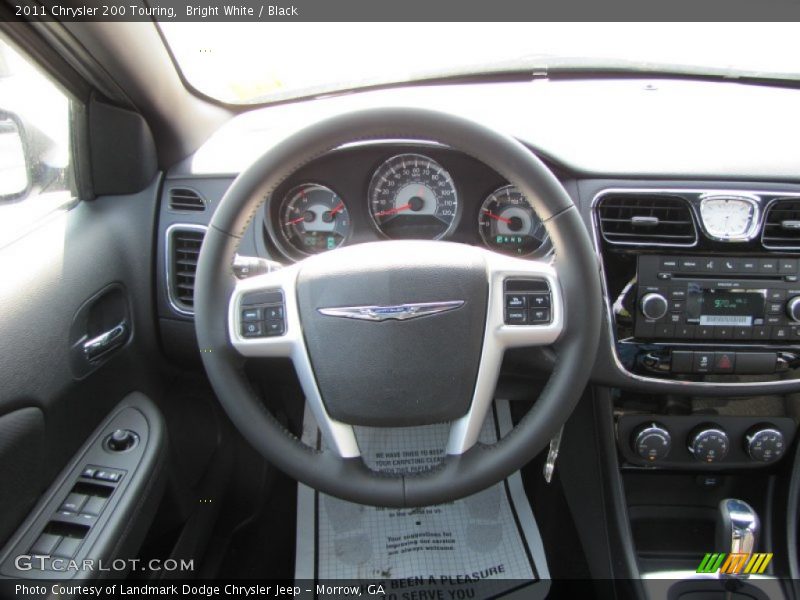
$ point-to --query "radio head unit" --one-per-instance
(711, 298)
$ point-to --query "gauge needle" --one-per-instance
(338, 208)
(293, 221)
(498, 217)
(391, 211)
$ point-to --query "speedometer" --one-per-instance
(411, 196)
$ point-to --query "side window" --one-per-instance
(36, 175)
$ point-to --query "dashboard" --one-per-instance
(653, 219)
(371, 192)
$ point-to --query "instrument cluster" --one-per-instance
(425, 193)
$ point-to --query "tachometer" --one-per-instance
(508, 223)
(313, 219)
(411, 196)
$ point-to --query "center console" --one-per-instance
(703, 304)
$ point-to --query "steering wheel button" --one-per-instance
(273, 312)
(540, 315)
(252, 329)
(516, 316)
(516, 301)
(274, 328)
(539, 300)
(251, 314)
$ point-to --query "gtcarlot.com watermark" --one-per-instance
(25, 562)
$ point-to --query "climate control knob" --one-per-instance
(764, 443)
(654, 306)
(709, 444)
(652, 442)
(793, 309)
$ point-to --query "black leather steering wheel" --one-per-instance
(398, 333)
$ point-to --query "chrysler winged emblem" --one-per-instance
(397, 312)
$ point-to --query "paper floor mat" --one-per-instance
(486, 545)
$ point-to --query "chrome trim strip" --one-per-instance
(790, 196)
(612, 337)
(168, 247)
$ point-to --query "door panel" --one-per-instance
(47, 277)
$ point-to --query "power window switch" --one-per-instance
(108, 475)
(45, 545)
(68, 547)
(88, 472)
(74, 502)
(94, 505)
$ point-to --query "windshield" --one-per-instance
(251, 63)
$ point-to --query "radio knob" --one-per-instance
(655, 306)
(652, 441)
(793, 308)
(764, 444)
(709, 444)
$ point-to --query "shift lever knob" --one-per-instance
(737, 528)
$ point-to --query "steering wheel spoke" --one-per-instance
(264, 321)
(525, 309)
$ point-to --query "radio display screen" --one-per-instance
(731, 307)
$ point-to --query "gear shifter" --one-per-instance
(737, 529)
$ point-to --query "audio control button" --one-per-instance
(654, 306)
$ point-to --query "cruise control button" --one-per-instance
(252, 329)
(516, 316)
(539, 315)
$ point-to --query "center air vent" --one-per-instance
(183, 249)
(646, 219)
(186, 200)
(782, 225)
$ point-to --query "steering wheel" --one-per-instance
(399, 333)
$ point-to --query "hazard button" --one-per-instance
(724, 362)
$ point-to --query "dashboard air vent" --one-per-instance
(646, 219)
(183, 251)
(782, 225)
(184, 199)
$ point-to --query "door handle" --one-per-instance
(106, 341)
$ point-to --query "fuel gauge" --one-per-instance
(313, 219)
